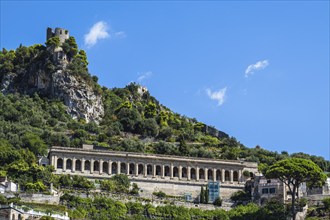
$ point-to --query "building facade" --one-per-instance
(163, 170)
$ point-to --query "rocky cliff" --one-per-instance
(46, 72)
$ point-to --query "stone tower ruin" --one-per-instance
(59, 32)
(58, 53)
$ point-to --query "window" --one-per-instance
(265, 191)
(272, 190)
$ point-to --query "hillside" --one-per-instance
(47, 100)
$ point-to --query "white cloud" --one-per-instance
(144, 76)
(97, 32)
(120, 34)
(262, 64)
(219, 96)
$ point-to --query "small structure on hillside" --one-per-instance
(7, 186)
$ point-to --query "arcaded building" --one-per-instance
(172, 174)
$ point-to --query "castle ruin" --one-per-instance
(62, 33)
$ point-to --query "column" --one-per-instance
(189, 173)
(109, 167)
(239, 176)
(197, 173)
(206, 174)
(92, 165)
(127, 168)
(214, 175)
(163, 171)
(154, 171)
(83, 165)
(145, 170)
(171, 171)
(101, 166)
(223, 175)
(118, 168)
(231, 176)
(180, 172)
(74, 165)
(55, 162)
(136, 169)
(64, 164)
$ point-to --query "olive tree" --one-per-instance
(294, 171)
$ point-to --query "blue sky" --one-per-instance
(258, 71)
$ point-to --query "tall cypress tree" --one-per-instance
(206, 193)
(202, 195)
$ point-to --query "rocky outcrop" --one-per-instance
(79, 97)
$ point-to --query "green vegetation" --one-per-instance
(294, 171)
(133, 121)
(104, 208)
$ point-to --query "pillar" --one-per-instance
(189, 173)
(118, 168)
(83, 165)
(64, 164)
(101, 166)
(180, 172)
(109, 167)
(145, 170)
(163, 171)
(136, 169)
(154, 171)
(239, 176)
(171, 171)
(214, 175)
(92, 165)
(127, 168)
(55, 162)
(197, 173)
(231, 176)
(223, 175)
(206, 174)
(74, 165)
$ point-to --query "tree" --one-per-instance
(294, 171)
(53, 41)
(202, 195)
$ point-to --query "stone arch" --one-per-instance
(218, 175)
(87, 165)
(235, 176)
(78, 165)
(19, 217)
(123, 168)
(193, 173)
(149, 169)
(59, 163)
(105, 167)
(184, 172)
(201, 173)
(114, 168)
(158, 170)
(227, 175)
(69, 164)
(96, 166)
(140, 169)
(175, 172)
(210, 174)
(131, 168)
(167, 171)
